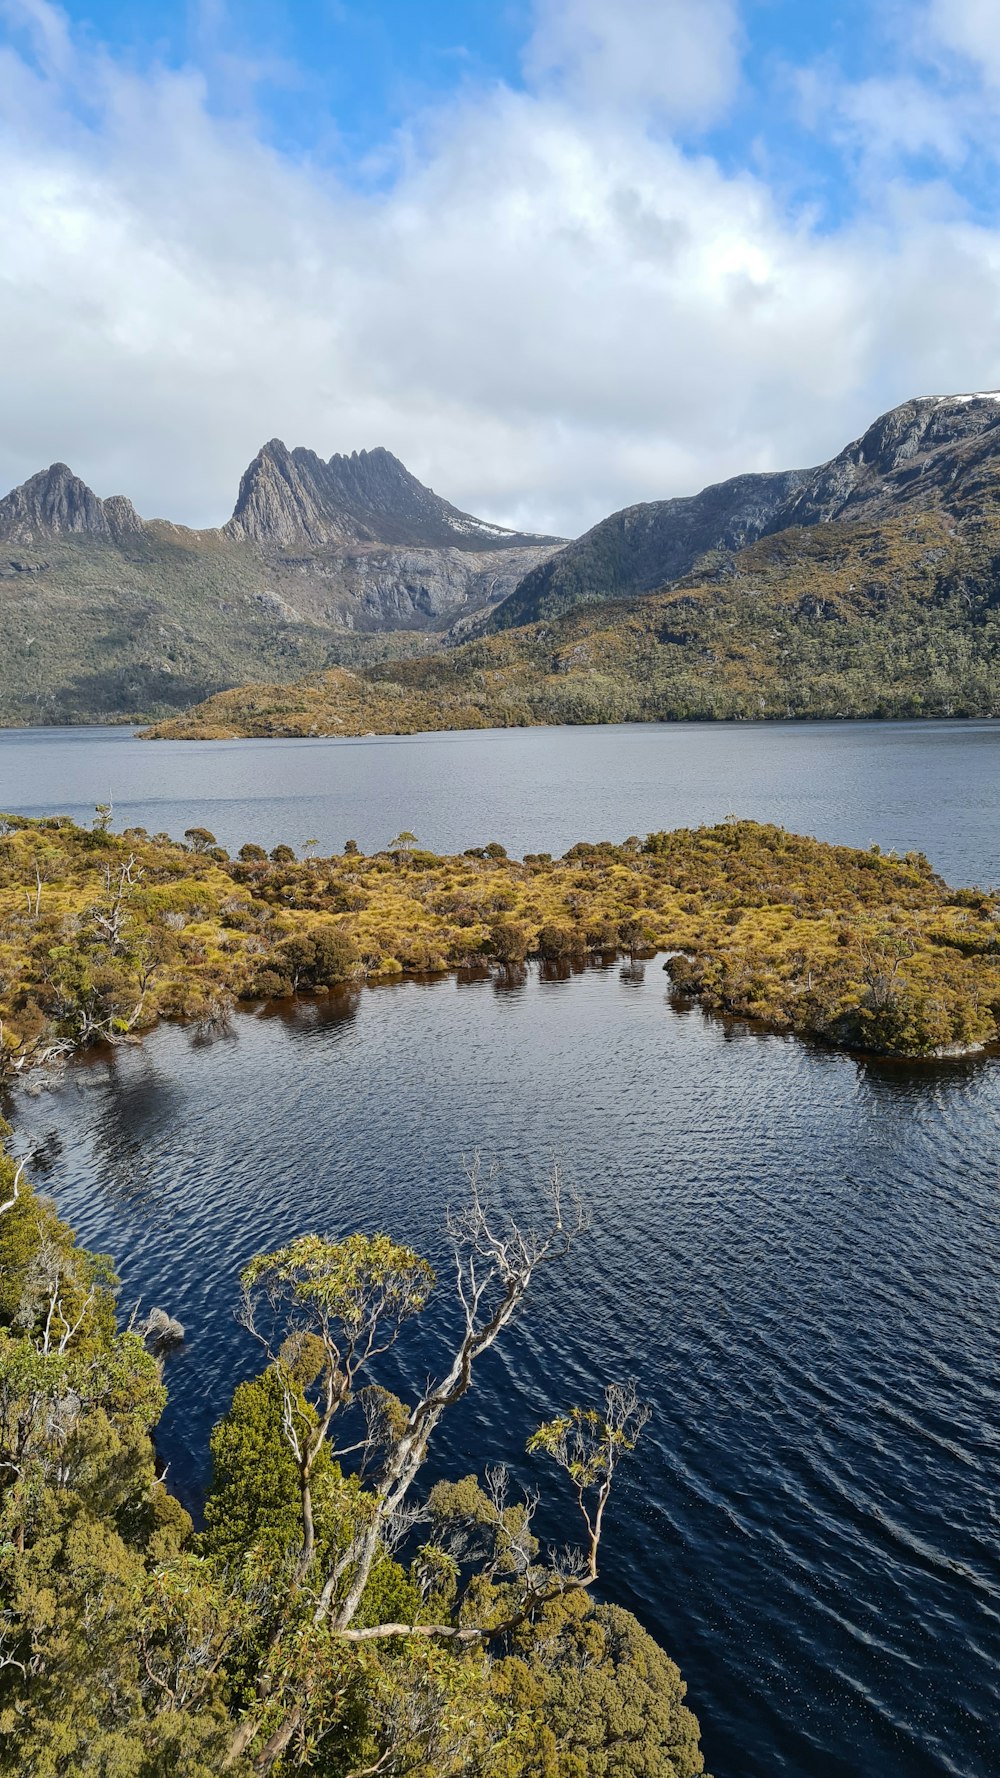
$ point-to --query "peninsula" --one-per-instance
(102, 934)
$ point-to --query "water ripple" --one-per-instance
(796, 1255)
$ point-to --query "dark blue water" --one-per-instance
(934, 787)
(796, 1255)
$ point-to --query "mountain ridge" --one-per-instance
(910, 455)
(288, 496)
(54, 501)
(285, 496)
(107, 616)
(872, 589)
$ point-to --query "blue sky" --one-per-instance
(336, 79)
(559, 254)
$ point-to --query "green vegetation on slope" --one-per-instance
(297, 1632)
(96, 632)
(335, 702)
(102, 934)
(841, 620)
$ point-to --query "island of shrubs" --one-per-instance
(102, 934)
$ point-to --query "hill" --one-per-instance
(936, 453)
(106, 616)
(837, 620)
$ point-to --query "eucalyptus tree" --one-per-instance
(325, 1311)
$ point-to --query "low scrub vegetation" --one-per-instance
(101, 934)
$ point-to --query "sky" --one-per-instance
(559, 255)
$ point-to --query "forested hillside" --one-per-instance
(839, 620)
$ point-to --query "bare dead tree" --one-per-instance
(110, 919)
(19, 1053)
(35, 903)
(9, 1203)
(495, 1260)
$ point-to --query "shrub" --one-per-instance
(508, 941)
(317, 959)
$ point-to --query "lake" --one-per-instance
(795, 1253)
(934, 787)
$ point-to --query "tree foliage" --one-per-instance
(331, 1617)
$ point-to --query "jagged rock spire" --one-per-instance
(56, 503)
(292, 499)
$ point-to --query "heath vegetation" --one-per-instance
(101, 934)
(836, 620)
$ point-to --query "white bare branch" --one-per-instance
(18, 1176)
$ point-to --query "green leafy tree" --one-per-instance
(318, 958)
(594, 1697)
(200, 839)
(326, 1620)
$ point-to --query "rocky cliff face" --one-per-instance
(104, 615)
(354, 542)
(380, 586)
(358, 541)
(935, 453)
(926, 453)
(637, 549)
(289, 499)
(56, 503)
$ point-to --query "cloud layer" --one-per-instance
(555, 299)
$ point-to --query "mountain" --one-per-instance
(106, 616)
(57, 503)
(871, 590)
(291, 499)
(641, 547)
(938, 451)
(900, 619)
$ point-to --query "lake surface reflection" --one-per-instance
(797, 1256)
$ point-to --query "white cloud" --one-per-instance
(885, 117)
(969, 28)
(680, 56)
(549, 311)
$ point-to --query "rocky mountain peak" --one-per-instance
(934, 452)
(294, 500)
(925, 424)
(56, 503)
(281, 499)
(918, 453)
